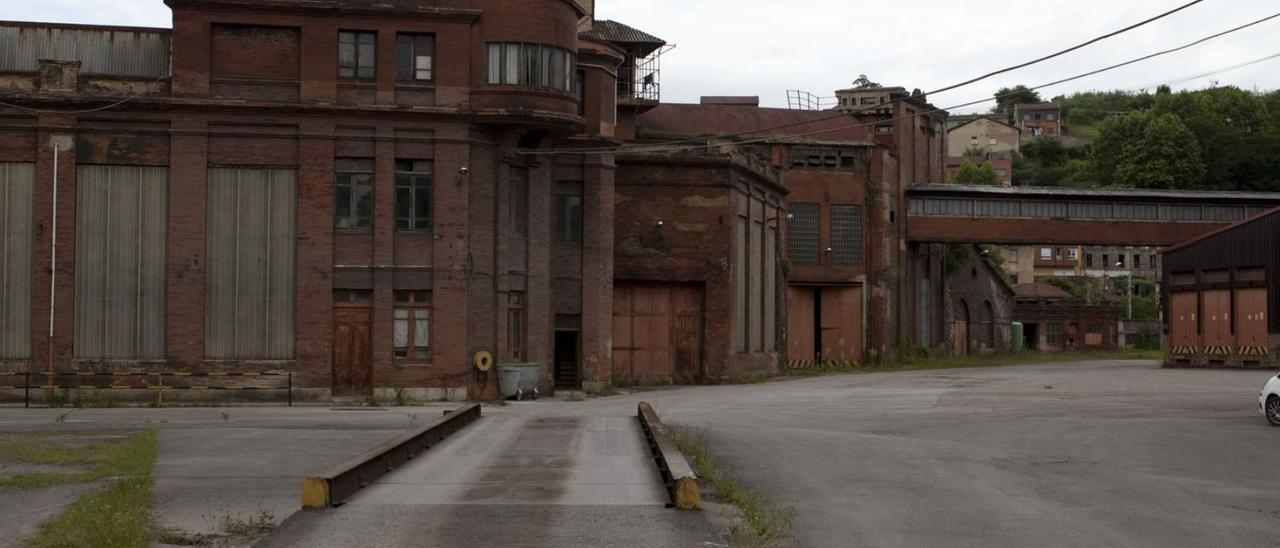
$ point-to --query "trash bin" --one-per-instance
(518, 380)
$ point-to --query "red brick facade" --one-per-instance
(257, 85)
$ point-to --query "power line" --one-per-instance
(1070, 49)
(947, 88)
(668, 147)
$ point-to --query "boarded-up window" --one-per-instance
(16, 184)
(121, 216)
(241, 51)
(251, 242)
(569, 213)
(846, 235)
(771, 288)
(803, 234)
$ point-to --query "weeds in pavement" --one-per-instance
(916, 359)
(575, 397)
(763, 523)
(107, 459)
(118, 514)
(232, 529)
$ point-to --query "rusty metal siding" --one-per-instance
(114, 52)
(17, 181)
(121, 221)
(251, 248)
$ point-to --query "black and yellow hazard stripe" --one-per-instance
(1254, 351)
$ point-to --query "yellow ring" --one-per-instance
(484, 361)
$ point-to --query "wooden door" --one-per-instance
(801, 334)
(1218, 340)
(1251, 322)
(841, 311)
(352, 355)
(657, 332)
(1183, 321)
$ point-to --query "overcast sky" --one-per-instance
(758, 47)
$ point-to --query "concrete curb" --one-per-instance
(336, 486)
(677, 474)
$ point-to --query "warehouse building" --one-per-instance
(1221, 297)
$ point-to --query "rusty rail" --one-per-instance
(677, 475)
(336, 486)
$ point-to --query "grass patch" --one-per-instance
(763, 523)
(231, 528)
(116, 515)
(107, 459)
(923, 360)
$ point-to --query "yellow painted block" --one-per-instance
(688, 494)
(315, 493)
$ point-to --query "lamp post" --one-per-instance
(1129, 311)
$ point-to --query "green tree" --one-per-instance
(863, 82)
(1148, 150)
(1007, 97)
(1233, 129)
(970, 174)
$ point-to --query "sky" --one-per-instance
(764, 48)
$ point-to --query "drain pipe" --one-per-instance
(53, 271)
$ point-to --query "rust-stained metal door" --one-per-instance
(352, 355)
(841, 311)
(1218, 339)
(1183, 319)
(801, 334)
(1251, 322)
(657, 332)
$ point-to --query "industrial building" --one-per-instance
(1221, 297)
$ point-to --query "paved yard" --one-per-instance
(1092, 454)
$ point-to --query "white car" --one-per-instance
(1269, 401)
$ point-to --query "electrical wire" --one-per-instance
(900, 118)
(668, 147)
(940, 90)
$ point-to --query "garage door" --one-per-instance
(801, 337)
(1251, 322)
(657, 333)
(842, 325)
(1218, 339)
(1183, 321)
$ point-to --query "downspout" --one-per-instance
(53, 273)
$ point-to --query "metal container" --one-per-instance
(1018, 333)
(518, 380)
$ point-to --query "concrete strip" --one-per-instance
(677, 474)
(337, 485)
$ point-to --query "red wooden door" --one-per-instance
(352, 355)
(842, 324)
(800, 328)
(657, 332)
(1183, 337)
(1217, 322)
(1251, 321)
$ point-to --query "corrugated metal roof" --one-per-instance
(605, 30)
(1069, 192)
(104, 51)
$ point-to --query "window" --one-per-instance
(518, 202)
(413, 194)
(846, 235)
(1012, 255)
(354, 195)
(1137, 261)
(802, 234)
(532, 65)
(1053, 335)
(569, 213)
(17, 184)
(1073, 254)
(1046, 254)
(1088, 260)
(357, 52)
(412, 330)
(1121, 263)
(515, 327)
(812, 159)
(1152, 264)
(1106, 261)
(992, 141)
(415, 57)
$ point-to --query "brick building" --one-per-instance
(1053, 321)
(334, 189)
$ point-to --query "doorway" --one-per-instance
(566, 356)
(352, 342)
(1031, 337)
